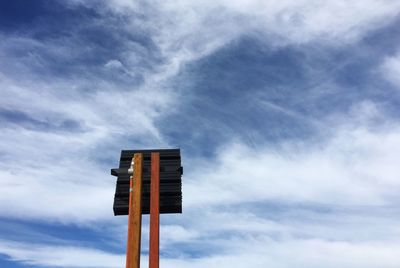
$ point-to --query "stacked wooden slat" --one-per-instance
(170, 181)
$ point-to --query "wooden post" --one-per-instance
(154, 247)
(135, 214)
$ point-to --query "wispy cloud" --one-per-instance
(59, 256)
(306, 253)
(356, 166)
(391, 70)
(290, 141)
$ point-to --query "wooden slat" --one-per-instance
(135, 215)
(154, 211)
(170, 182)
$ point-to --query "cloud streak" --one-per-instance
(59, 256)
(276, 174)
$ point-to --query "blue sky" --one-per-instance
(287, 115)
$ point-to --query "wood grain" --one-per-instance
(135, 214)
(154, 247)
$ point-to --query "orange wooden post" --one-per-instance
(154, 247)
(135, 214)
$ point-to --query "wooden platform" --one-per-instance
(170, 181)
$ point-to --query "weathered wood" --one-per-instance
(154, 211)
(170, 181)
(135, 214)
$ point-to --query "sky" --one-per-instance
(286, 113)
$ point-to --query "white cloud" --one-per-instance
(391, 70)
(250, 252)
(194, 28)
(53, 169)
(326, 204)
(357, 166)
(59, 256)
(50, 175)
(263, 252)
(185, 31)
(56, 168)
(177, 233)
(114, 64)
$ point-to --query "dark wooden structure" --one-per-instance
(170, 181)
(149, 181)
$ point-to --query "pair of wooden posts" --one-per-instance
(135, 212)
(148, 182)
